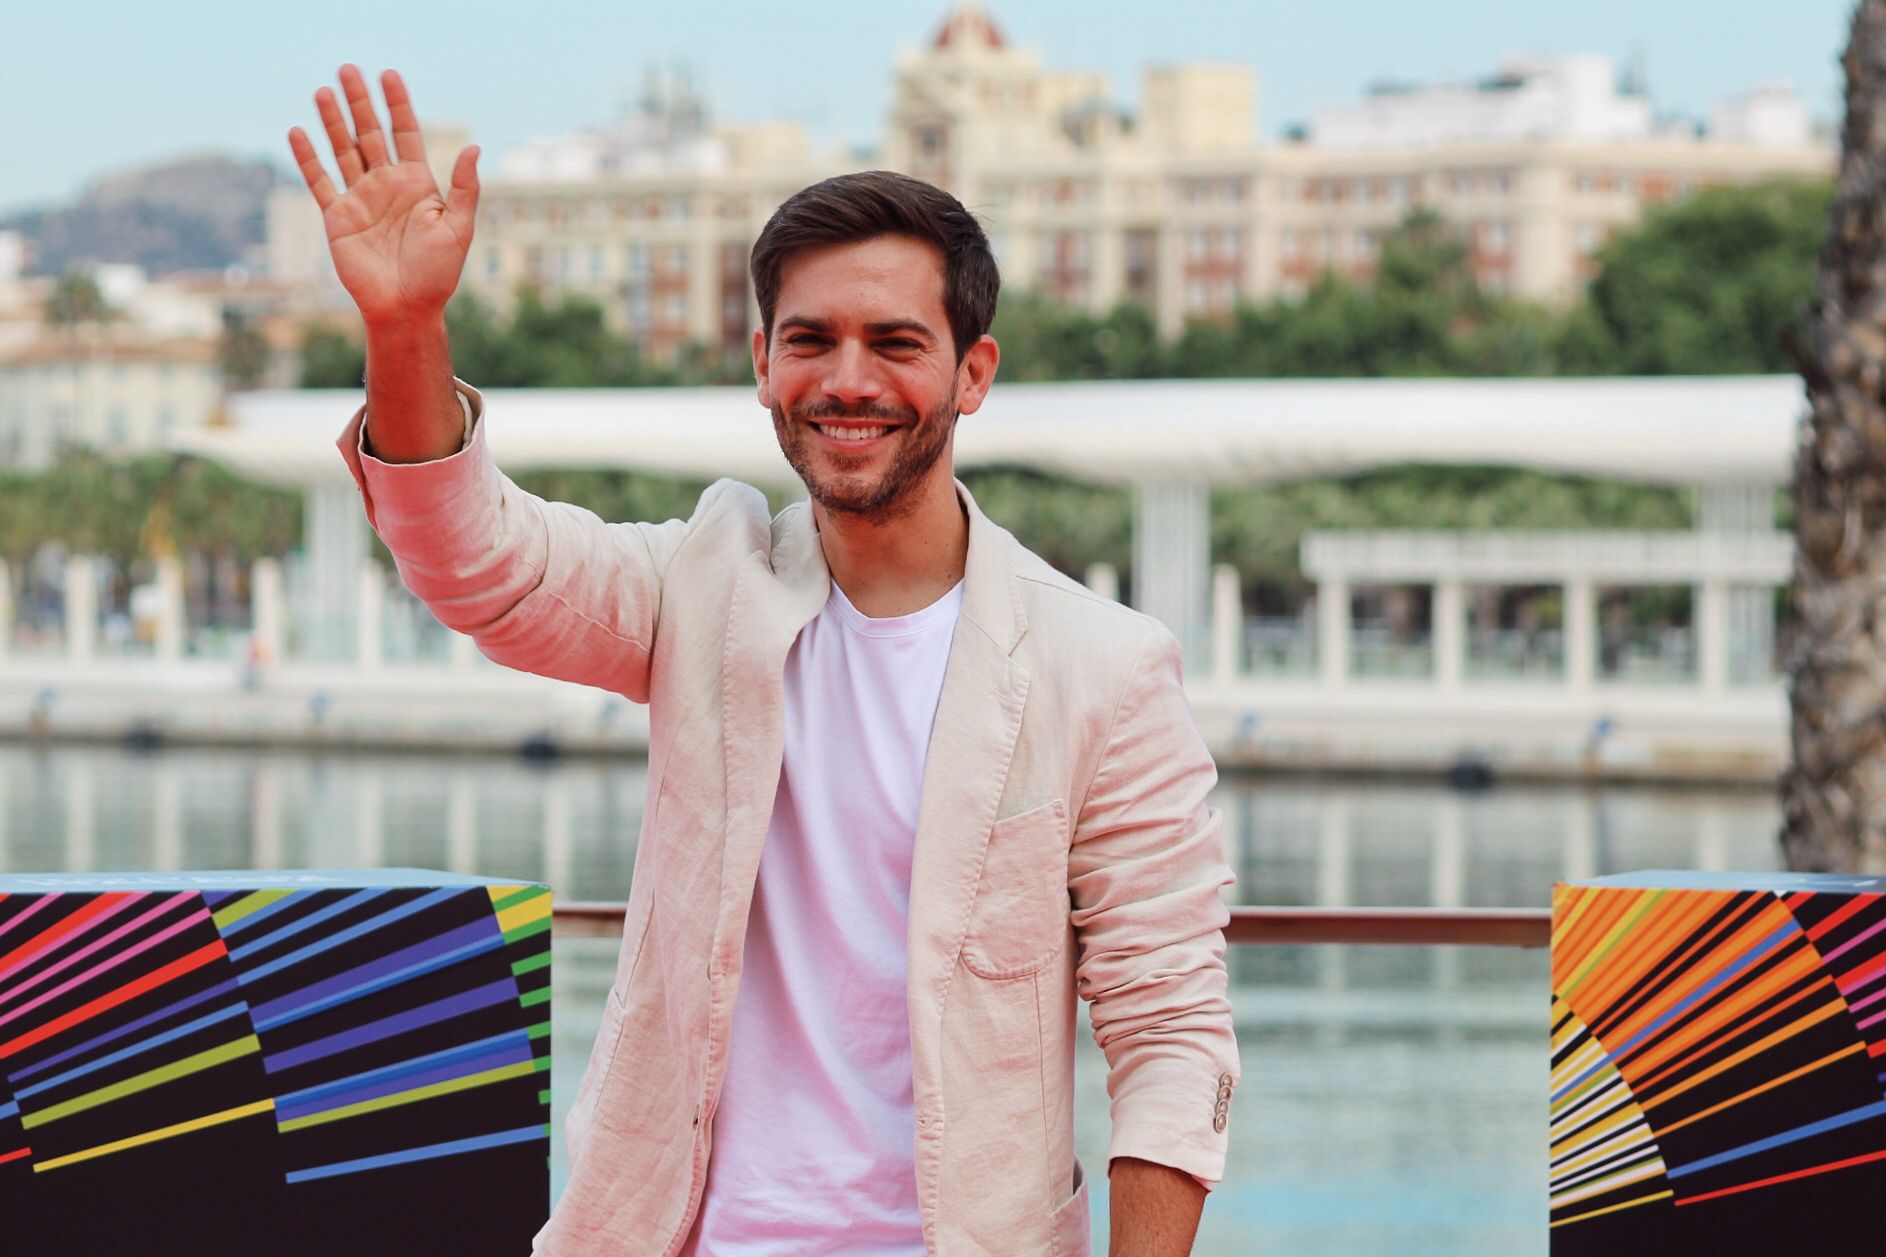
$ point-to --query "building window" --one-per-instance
(1498, 237)
(1195, 295)
(493, 266)
(1587, 237)
(1291, 244)
(638, 312)
(675, 309)
(636, 257)
(674, 260)
(1365, 246)
(595, 261)
(1398, 191)
(930, 142)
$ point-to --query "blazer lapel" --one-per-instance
(977, 719)
(775, 596)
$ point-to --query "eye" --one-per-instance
(900, 344)
(805, 338)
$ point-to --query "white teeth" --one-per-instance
(852, 434)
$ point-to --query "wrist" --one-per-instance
(406, 327)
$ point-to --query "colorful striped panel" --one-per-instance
(1714, 1074)
(394, 1031)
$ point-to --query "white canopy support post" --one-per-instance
(265, 612)
(170, 608)
(1712, 634)
(335, 541)
(370, 616)
(81, 608)
(1227, 623)
(6, 609)
(1333, 616)
(1581, 633)
(1450, 632)
(1735, 622)
(464, 654)
(1171, 553)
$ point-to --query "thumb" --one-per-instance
(461, 199)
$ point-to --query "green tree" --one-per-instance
(243, 352)
(1709, 286)
(330, 358)
(1042, 339)
(76, 299)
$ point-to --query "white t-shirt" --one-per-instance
(815, 1130)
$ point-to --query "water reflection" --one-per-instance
(574, 824)
(1393, 1097)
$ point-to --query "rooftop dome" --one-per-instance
(968, 26)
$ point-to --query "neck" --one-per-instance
(897, 566)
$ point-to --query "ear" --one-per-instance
(975, 373)
(760, 367)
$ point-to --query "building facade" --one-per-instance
(1177, 204)
(113, 391)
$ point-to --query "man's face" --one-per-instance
(861, 374)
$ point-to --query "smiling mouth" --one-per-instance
(858, 432)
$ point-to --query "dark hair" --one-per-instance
(850, 208)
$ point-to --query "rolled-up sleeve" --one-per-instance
(543, 587)
(1145, 871)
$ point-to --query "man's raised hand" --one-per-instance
(398, 245)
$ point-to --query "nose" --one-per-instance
(851, 378)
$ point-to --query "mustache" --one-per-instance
(825, 411)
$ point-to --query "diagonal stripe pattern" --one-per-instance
(134, 1022)
(1708, 1044)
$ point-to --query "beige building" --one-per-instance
(1177, 204)
(114, 390)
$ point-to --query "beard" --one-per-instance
(920, 443)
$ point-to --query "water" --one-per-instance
(1393, 1099)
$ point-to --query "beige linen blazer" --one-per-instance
(1063, 845)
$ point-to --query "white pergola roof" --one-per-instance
(1679, 430)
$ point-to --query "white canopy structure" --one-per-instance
(1733, 437)
(1686, 430)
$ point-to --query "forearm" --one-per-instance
(413, 415)
(1154, 1209)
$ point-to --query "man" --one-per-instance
(910, 788)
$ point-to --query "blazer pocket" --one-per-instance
(1019, 920)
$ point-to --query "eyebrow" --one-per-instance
(885, 328)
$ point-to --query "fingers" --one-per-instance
(399, 107)
(367, 135)
(339, 137)
(310, 167)
(461, 199)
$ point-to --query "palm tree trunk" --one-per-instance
(1834, 791)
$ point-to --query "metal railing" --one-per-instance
(1410, 927)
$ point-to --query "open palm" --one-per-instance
(398, 245)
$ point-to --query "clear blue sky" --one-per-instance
(90, 87)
